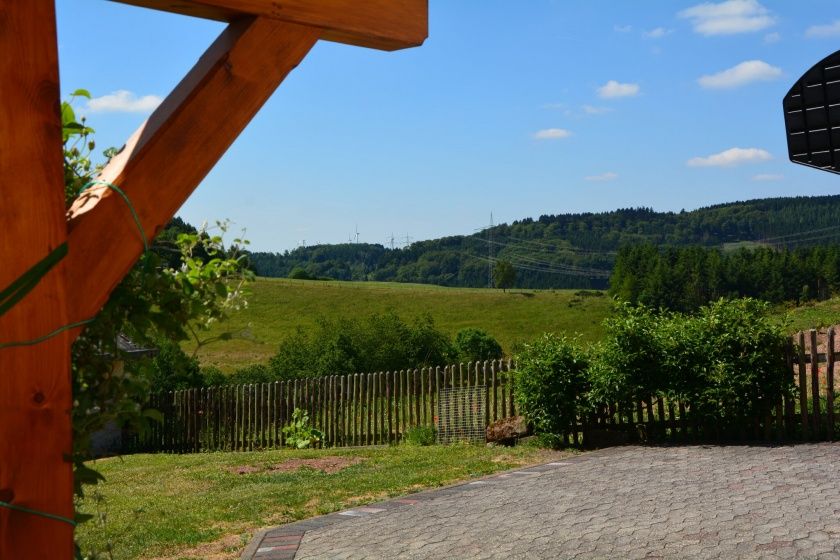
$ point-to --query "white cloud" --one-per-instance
(615, 89)
(552, 134)
(741, 75)
(731, 157)
(771, 38)
(593, 110)
(830, 30)
(657, 33)
(608, 176)
(124, 101)
(767, 177)
(623, 28)
(729, 17)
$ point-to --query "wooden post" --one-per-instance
(803, 386)
(35, 388)
(829, 380)
(816, 421)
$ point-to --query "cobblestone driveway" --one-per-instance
(630, 502)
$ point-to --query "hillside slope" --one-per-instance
(566, 250)
(278, 306)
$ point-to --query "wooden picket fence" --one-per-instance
(378, 408)
(355, 409)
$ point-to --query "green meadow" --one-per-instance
(278, 306)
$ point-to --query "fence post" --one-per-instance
(803, 386)
(829, 379)
(816, 421)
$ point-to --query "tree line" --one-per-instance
(566, 250)
(686, 278)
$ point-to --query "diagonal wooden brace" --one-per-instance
(169, 155)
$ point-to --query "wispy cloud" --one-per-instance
(594, 110)
(613, 89)
(740, 75)
(771, 38)
(608, 176)
(828, 30)
(622, 28)
(731, 157)
(124, 101)
(729, 17)
(656, 33)
(552, 134)
(767, 177)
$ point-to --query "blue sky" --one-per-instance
(511, 107)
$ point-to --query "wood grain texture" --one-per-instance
(379, 24)
(170, 154)
(35, 388)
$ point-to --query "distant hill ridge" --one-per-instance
(566, 250)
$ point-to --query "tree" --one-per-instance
(504, 275)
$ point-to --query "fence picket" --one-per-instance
(829, 380)
(803, 387)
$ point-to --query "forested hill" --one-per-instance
(566, 250)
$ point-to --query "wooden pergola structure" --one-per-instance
(163, 161)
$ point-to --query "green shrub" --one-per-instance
(419, 435)
(380, 342)
(172, 369)
(628, 363)
(551, 383)
(300, 434)
(476, 345)
(728, 361)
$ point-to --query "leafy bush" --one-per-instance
(419, 435)
(172, 369)
(551, 382)
(300, 434)
(628, 364)
(728, 361)
(725, 362)
(379, 342)
(475, 345)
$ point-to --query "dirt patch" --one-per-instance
(245, 469)
(228, 547)
(329, 465)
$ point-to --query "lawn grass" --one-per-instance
(199, 506)
(278, 306)
(811, 315)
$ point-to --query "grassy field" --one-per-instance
(278, 306)
(811, 315)
(208, 505)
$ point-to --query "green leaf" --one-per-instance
(81, 93)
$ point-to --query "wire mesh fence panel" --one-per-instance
(460, 414)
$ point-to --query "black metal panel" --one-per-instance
(812, 116)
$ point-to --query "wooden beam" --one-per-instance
(35, 387)
(170, 154)
(380, 24)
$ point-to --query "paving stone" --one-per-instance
(631, 502)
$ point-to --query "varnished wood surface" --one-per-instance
(379, 24)
(35, 390)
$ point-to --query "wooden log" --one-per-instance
(415, 387)
(829, 380)
(803, 387)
